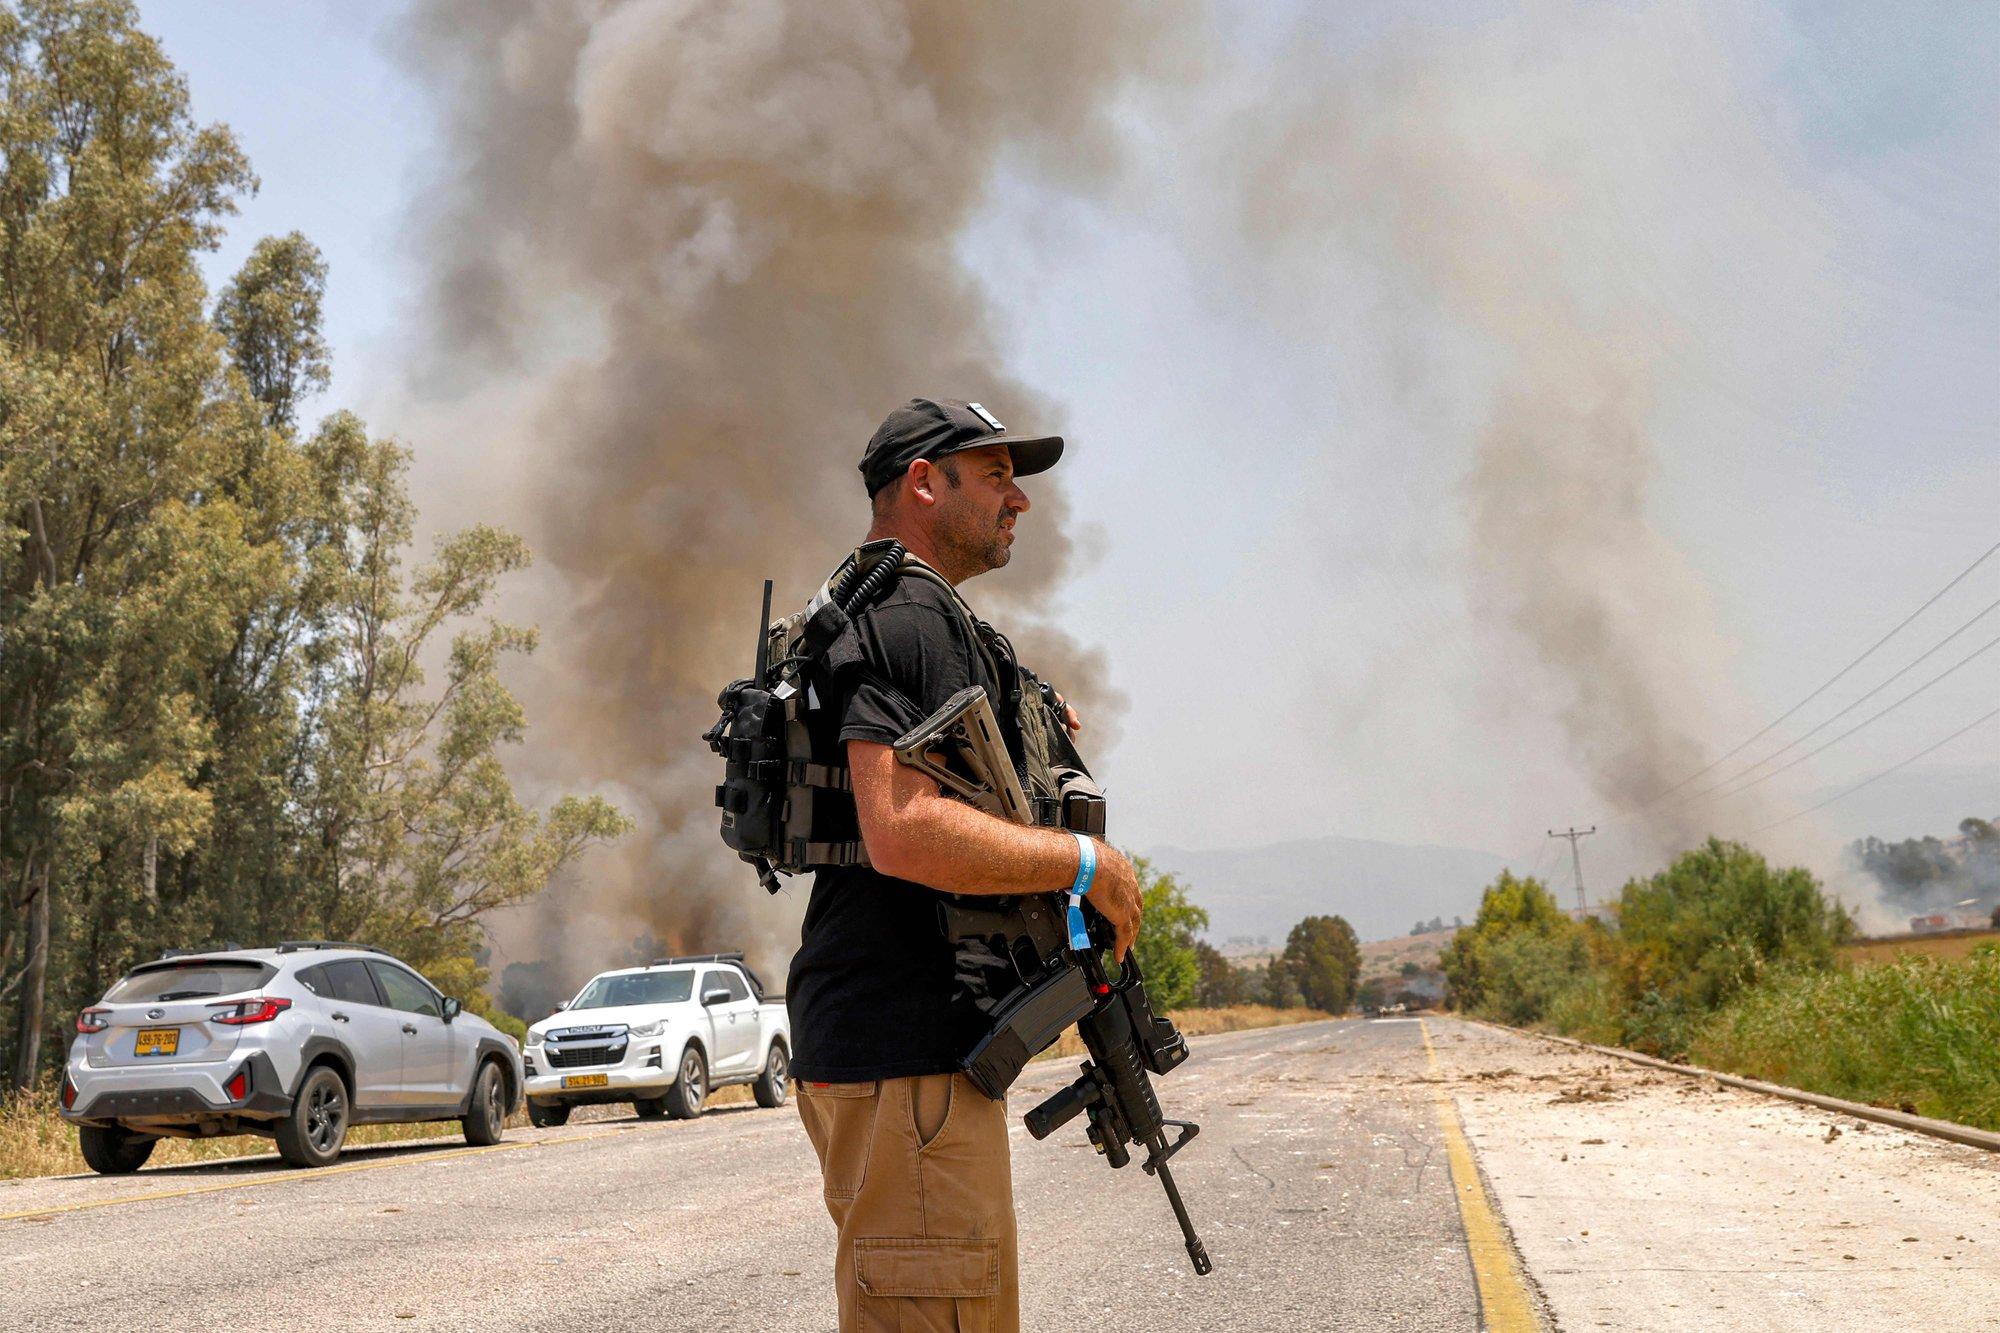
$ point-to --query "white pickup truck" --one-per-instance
(660, 1037)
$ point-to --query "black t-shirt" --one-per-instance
(871, 990)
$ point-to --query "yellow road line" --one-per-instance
(319, 1173)
(1503, 1292)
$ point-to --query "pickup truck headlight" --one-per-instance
(652, 1029)
(534, 1038)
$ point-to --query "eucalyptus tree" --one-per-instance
(215, 717)
(117, 426)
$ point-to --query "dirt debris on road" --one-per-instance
(1657, 1201)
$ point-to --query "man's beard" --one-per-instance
(978, 549)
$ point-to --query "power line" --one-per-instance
(1717, 762)
(1879, 776)
(1576, 859)
(1925, 656)
(1989, 645)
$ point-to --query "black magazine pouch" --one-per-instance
(752, 794)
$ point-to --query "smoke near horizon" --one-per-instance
(1550, 352)
(1958, 876)
(1517, 213)
(685, 255)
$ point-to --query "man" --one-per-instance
(914, 1158)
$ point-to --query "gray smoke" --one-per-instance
(683, 256)
(1524, 206)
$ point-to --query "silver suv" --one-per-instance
(296, 1042)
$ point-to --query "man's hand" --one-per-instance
(1115, 895)
(1070, 719)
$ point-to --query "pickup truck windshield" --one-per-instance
(637, 988)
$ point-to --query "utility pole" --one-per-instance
(1576, 860)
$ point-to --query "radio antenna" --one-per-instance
(764, 636)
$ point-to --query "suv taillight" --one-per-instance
(238, 1087)
(68, 1094)
(93, 1020)
(236, 1013)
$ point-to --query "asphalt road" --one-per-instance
(1320, 1183)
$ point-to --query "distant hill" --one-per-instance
(1386, 958)
(1382, 888)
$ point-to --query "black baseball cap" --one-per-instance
(934, 427)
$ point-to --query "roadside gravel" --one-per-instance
(1644, 1199)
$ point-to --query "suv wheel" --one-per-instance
(775, 1081)
(547, 1115)
(690, 1087)
(486, 1115)
(113, 1151)
(312, 1134)
(650, 1108)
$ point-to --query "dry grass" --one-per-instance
(1240, 1018)
(35, 1141)
(1944, 944)
(1204, 1023)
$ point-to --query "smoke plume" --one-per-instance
(1525, 204)
(685, 254)
(1927, 875)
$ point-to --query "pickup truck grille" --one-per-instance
(583, 1057)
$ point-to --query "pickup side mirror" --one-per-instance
(561, 1005)
(452, 1009)
(717, 996)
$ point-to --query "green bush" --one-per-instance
(1508, 908)
(1919, 1031)
(1685, 941)
(1219, 983)
(1712, 923)
(1166, 943)
(1588, 1009)
(1528, 970)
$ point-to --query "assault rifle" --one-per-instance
(961, 748)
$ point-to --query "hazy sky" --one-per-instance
(1279, 380)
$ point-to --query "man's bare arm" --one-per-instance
(915, 832)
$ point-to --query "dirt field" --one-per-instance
(1385, 958)
(1943, 944)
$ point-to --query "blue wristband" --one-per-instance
(1086, 866)
(1086, 874)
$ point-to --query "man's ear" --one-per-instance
(923, 481)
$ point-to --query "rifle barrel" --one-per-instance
(1197, 1252)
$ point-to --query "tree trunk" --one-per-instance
(34, 987)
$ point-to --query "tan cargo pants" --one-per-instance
(921, 1191)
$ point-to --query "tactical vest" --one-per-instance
(788, 808)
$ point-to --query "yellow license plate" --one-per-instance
(157, 1041)
(586, 1080)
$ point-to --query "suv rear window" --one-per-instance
(196, 978)
(637, 988)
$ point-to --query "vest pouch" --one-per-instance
(752, 793)
(1082, 802)
(1034, 725)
